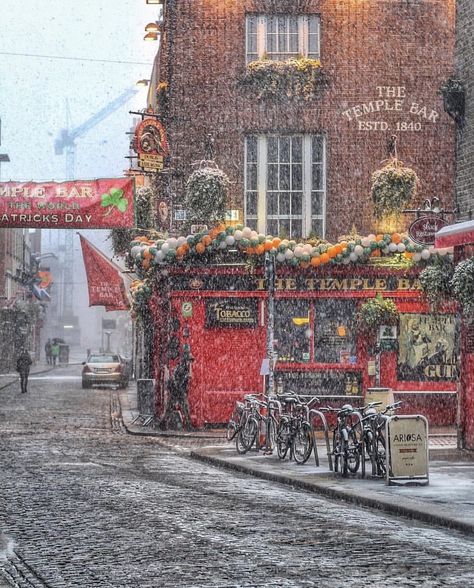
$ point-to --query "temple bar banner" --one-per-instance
(93, 204)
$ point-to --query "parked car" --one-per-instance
(104, 368)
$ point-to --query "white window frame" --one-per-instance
(303, 34)
(262, 167)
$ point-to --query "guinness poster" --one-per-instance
(428, 348)
(231, 313)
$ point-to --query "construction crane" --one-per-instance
(66, 142)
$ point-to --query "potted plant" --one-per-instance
(393, 187)
(376, 312)
(454, 98)
(294, 78)
(206, 195)
(462, 284)
(435, 282)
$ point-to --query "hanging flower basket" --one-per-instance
(162, 99)
(295, 78)
(206, 195)
(393, 187)
(462, 284)
(376, 312)
(435, 282)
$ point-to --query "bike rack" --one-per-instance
(314, 412)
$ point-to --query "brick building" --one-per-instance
(302, 166)
(465, 142)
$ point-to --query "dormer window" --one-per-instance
(283, 36)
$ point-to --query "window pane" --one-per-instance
(318, 176)
(284, 177)
(251, 149)
(271, 43)
(272, 178)
(271, 25)
(285, 228)
(251, 176)
(291, 330)
(272, 203)
(285, 149)
(252, 223)
(251, 203)
(272, 149)
(317, 227)
(317, 151)
(296, 149)
(313, 24)
(252, 45)
(313, 46)
(297, 204)
(296, 229)
(334, 330)
(272, 227)
(252, 24)
(297, 177)
(316, 203)
(285, 209)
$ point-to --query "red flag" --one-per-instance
(105, 284)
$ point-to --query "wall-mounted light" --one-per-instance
(151, 37)
(154, 1)
(142, 82)
(152, 27)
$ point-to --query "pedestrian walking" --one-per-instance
(23, 364)
(47, 352)
(54, 352)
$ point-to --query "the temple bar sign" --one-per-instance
(231, 313)
(330, 284)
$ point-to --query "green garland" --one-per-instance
(435, 282)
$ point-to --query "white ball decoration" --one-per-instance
(181, 241)
(401, 247)
(280, 257)
(223, 244)
(358, 250)
(365, 242)
(307, 248)
(298, 251)
(230, 239)
(392, 247)
(247, 232)
(425, 254)
(238, 235)
(135, 250)
(159, 256)
(165, 248)
(289, 254)
(347, 260)
(385, 250)
(443, 251)
(353, 256)
(416, 257)
(371, 237)
(172, 242)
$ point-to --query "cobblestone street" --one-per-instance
(83, 504)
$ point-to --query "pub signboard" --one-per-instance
(231, 313)
(423, 230)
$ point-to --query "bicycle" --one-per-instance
(345, 445)
(251, 418)
(295, 433)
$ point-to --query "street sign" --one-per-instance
(109, 324)
(407, 450)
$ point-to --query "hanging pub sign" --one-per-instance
(93, 204)
(428, 348)
(151, 145)
(232, 313)
(423, 230)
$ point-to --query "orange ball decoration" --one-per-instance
(206, 240)
(376, 253)
(268, 245)
(324, 257)
(396, 238)
(180, 251)
(200, 248)
(276, 242)
(260, 249)
(331, 252)
(315, 261)
(378, 238)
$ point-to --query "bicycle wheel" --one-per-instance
(381, 456)
(337, 450)
(302, 443)
(246, 435)
(283, 436)
(231, 430)
(353, 452)
(271, 434)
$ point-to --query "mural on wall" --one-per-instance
(428, 348)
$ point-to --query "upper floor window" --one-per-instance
(285, 184)
(283, 36)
